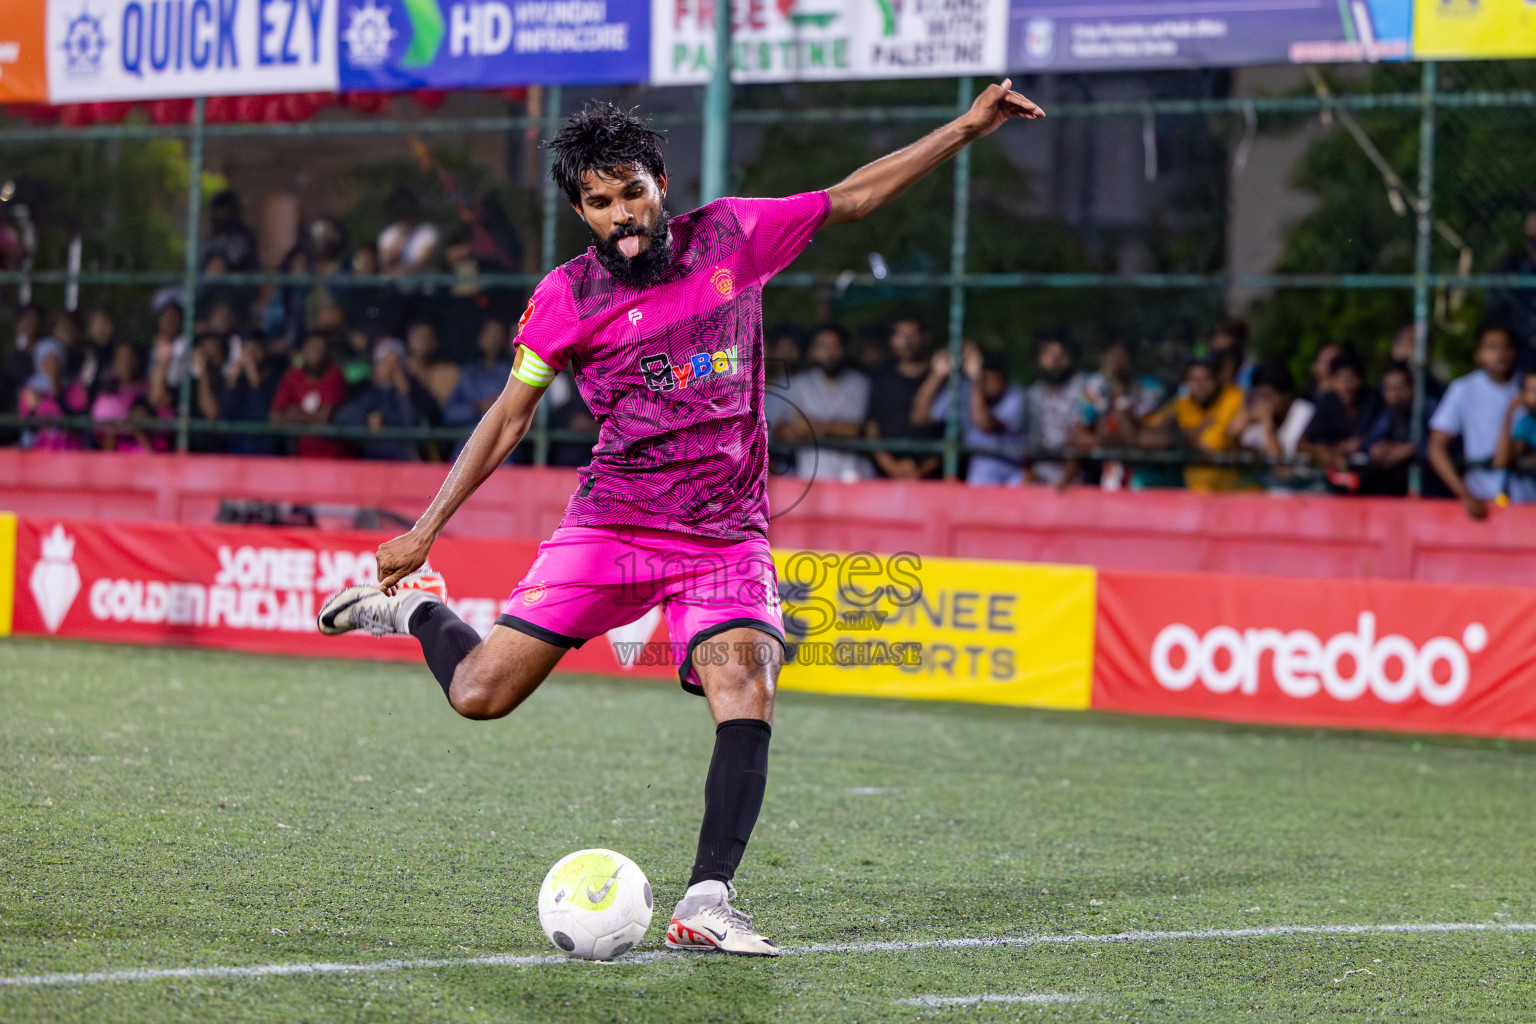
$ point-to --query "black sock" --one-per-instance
(733, 794)
(445, 639)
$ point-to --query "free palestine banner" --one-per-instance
(1098, 35)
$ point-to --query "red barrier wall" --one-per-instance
(1164, 530)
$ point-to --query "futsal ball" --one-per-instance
(595, 904)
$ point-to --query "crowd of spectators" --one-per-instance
(319, 354)
(1227, 422)
(322, 352)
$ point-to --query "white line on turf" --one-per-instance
(1026, 997)
(1004, 941)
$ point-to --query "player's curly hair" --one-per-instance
(603, 137)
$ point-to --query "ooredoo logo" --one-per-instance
(1392, 667)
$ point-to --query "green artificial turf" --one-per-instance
(171, 808)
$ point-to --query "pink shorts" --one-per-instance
(588, 580)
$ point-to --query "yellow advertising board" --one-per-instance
(7, 570)
(924, 628)
(1456, 29)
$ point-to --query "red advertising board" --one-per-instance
(253, 588)
(1346, 653)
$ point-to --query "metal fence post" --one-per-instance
(189, 281)
(958, 242)
(715, 167)
(547, 253)
(1422, 253)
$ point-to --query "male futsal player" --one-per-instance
(661, 321)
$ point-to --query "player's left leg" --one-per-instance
(738, 673)
(722, 600)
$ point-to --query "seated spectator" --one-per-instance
(891, 396)
(1229, 351)
(355, 360)
(321, 253)
(1388, 443)
(122, 387)
(168, 348)
(992, 410)
(49, 391)
(210, 370)
(783, 353)
(101, 334)
(81, 362)
(1274, 419)
(439, 377)
(16, 364)
(409, 244)
(247, 395)
(1200, 420)
(1116, 400)
(483, 381)
(394, 399)
(874, 351)
(230, 248)
(1516, 307)
(1402, 352)
(30, 321)
(1054, 410)
(1320, 371)
(1343, 416)
(1518, 436)
(829, 400)
(1474, 409)
(310, 392)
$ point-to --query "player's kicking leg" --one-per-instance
(481, 679)
(740, 693)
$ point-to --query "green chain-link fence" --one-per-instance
(1124, 216)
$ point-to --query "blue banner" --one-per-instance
(1101, 35)
(393, 45)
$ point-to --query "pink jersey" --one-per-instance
(674, 373)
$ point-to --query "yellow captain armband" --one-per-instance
(529, 368)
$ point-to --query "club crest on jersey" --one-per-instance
(661, 375)
(721, 279)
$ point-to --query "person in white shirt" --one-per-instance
(1274, 419)
(1473, 409)
(829, 399)
(409, 244)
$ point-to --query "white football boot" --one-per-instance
(707, 923)
(368, 607)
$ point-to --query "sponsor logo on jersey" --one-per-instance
(661, 375)
(522, 321)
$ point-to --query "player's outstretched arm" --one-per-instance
(501, 428)
(875, 184)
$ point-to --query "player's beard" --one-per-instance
(649, 264)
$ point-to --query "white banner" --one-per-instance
(821, 40)
(155, 49)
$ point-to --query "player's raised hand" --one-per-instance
(996, 104)
(400, 557)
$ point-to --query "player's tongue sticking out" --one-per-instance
(634, 265)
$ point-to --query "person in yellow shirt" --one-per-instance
(1201, 416)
